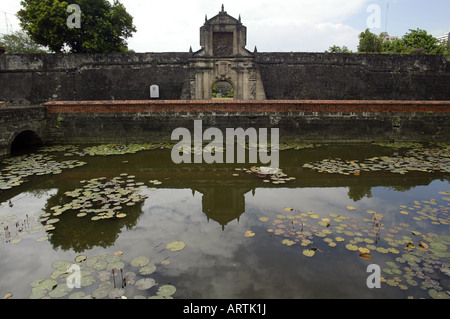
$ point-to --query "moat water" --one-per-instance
(138, 226)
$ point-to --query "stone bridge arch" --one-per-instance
(21, 126)
(24, 140)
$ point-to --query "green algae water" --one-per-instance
(139, 226)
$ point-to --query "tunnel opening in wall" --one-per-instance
(222, 90)
(25, 142)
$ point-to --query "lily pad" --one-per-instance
(249, 233)
(60, 291)
(116, 293)
(145, 283)
(364, 250)
(288, 242)
(61, 264)
(87, 280)
(175, 246)
(80, 258)
(147, 270)
(308, 252)
(100, 292)
(166, 290)
(78, 295)
(140, 261)
(38, 293)
(351, 247)
(438, 294)
(100, 265)
(49, 284)
(438, 246)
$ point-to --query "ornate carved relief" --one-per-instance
(222, 43)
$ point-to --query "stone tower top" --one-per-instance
(223, 64)
(223, 36)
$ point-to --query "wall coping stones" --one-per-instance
(248, 106)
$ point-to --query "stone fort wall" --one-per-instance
(36, 79)
(94, 122)
(324, 121)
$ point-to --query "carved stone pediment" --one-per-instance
(223, 19)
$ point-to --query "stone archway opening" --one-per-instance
(222, 90)
(26, 142)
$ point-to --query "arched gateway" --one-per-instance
(224, 58)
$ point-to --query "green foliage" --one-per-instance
(104, 27)
(338, 49)
(446, 50)
(414, 42)
(20, 43)
(370, 42)
(230, 94)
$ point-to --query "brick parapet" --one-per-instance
(252, 106)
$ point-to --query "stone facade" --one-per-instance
(32, 79)
(223, 57)
(94, 122)
(320, 121)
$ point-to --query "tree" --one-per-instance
(446, 50)
(415, 42)
(20, 43)
(338, 49)
(370, 42)
(394, 46)
(419, 41)
(103, 28)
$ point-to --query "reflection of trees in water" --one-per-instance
(223, 200)
(402, 188)
(81, 233)
(223, 195)
(359, 192)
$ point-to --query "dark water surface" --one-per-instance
(215, 210)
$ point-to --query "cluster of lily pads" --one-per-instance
(106, 149)
(120, 149)
(106, 276)
(305, 228)
(19, 168)
(417, 260)
(292, 145)
(398, 144)
(208, 148)
(13, 228)
(429, 210)
(102, 197)
(267, 174)
(435, 159)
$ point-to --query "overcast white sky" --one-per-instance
(280, 26)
